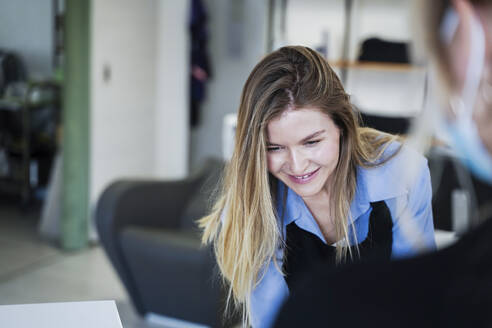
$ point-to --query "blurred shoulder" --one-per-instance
(398, 155)
(399, 169)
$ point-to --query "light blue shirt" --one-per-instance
(403, 183)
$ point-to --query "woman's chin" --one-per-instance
(306, 191)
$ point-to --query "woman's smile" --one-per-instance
(306, 178)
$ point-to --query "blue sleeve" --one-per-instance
(268, 297)
(413, 226)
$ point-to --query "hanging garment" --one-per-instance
(200, 63)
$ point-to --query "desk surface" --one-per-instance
(97, 314)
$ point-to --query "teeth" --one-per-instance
(303, 176)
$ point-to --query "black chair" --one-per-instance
(148, 231)
(388, 124)
(448, 175)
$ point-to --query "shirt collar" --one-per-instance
(373, 185)
(297, 211)
(293, 205)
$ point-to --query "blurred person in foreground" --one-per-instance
(451, 287)
(307, 183)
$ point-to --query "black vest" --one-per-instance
(305, 249)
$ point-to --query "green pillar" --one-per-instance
(75, 203)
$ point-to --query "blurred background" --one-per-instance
(110, 112)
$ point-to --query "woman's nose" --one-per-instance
(297, 162)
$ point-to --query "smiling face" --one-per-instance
(303, 150)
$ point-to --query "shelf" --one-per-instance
(10, 104)
(379, 66)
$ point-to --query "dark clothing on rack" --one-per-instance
(200, 63)
(447, 288)
(305, 249)
(378, 50)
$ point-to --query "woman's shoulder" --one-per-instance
(398, 168)
(400, 156)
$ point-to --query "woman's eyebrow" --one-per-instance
(313, 135)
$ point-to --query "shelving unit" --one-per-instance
(376, 66)
(377, 88)
(22, 146)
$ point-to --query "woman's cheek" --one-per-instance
(327, 154)
(274, 162)
(270, 163)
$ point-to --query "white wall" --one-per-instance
(137, 119)
(229, 71)
(26, 27)
(172, 89)
(307, 19)
(387, 92)
(123, 106)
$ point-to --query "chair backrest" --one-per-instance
(394, 125)
(450, 178)
(201, 201)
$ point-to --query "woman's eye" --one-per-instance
(273, 148)
(312, 142)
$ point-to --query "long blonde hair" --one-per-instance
(243, 225)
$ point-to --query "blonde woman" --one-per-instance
(306, 183)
